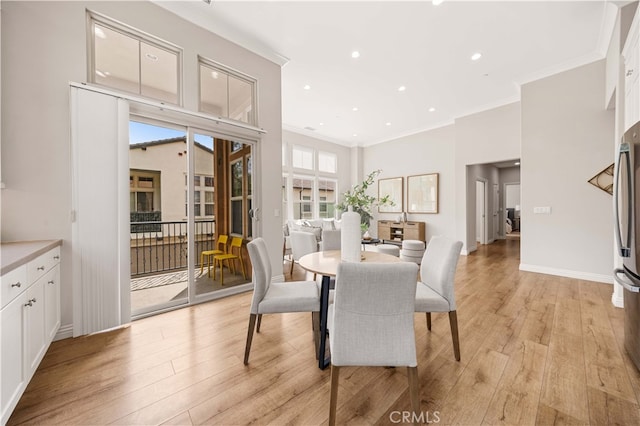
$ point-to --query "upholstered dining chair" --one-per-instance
(434, 292)
(302, 243)
(331, 239)
(277, 297)
(371, 322)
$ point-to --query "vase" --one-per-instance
(350, 236)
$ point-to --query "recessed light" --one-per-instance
(355, 54)
(401, 89)
(322, 124)
(354, 108)
(306, 87)
(388, 123)
(476, 56)
(432, 109)
(355, 134)
(214, 74)
(151, 57)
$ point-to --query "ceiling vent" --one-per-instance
(310, 128)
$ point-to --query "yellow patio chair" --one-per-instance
(222, 241)
(236, 242)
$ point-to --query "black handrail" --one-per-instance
(158, 246)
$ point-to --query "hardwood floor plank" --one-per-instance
(550, 416)
(516, 399)
(564, 386)
(468, 400)
(605, 370)
(607, 409)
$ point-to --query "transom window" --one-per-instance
(226, 93)
(302, 157)
(126, 59)
(309, 189)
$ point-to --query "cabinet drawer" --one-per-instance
(13, 283)
(411, 225)
(40, 265)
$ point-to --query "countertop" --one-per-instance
(15, 254)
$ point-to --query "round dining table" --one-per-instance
(326, 263)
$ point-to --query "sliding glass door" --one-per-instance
(190, 197)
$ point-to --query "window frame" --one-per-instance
(93, 17)
(229, 72)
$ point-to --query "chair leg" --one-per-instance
(315, 324)
(242, 266)
(453, 321)
(414, 391)
(247, 348)
(335, 373)
(201, 262)
(291, 270)
(259, 322)
(429, 321)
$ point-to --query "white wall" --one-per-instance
(566, 139)
(427, 152)
(486, 137)
(47, 49)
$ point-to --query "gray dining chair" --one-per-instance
(277, 297)
(371, 322)
(331, 239)
(302, 243)
(435, 290)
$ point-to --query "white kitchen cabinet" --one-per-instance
(12, 355)
(30, 300)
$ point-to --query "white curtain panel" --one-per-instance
(100, 206)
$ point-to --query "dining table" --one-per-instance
(325, 263)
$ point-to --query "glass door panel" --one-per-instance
(206, 239)
(158, 171)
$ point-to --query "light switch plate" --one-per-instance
(542, 210)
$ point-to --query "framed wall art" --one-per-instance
(422, 193)
(394, 188)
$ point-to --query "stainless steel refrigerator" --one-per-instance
(627, 222)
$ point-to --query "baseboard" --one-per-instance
(587, 276)
(64, 332)
(278, 279)
(617, 300)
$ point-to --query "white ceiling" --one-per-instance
(415, 44)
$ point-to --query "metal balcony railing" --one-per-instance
(162, 246)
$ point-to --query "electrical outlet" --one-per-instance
(542, 210)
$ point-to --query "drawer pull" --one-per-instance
(56, 257)
(40, 268)
(50, 282)
(30, 302)
(18, 284)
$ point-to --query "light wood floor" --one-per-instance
(536, 349)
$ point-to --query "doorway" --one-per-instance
(512, 209)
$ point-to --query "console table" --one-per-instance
(396, 232)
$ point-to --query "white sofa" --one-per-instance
(314, 226)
